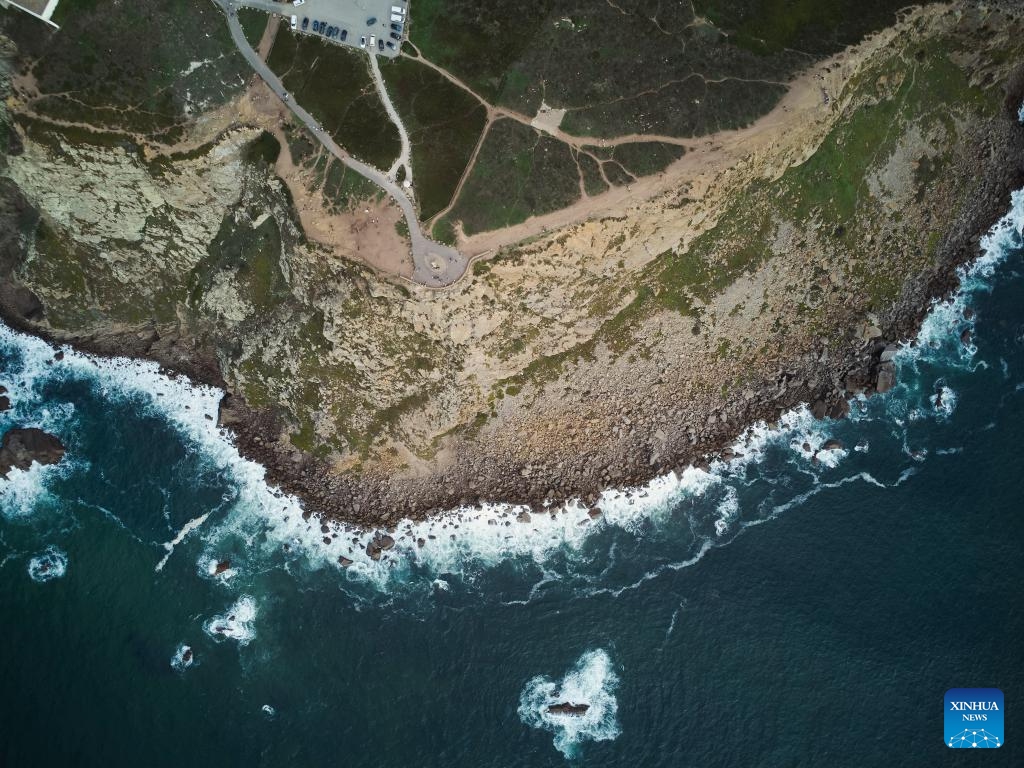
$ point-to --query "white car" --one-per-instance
(362, 41)
(295, 22)
(298, 2)
(373, 40)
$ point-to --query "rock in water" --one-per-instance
(21, 447)
(568, 708)
(380, 543)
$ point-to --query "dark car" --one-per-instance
(396, 27)
(391, 45)
(395, 36)
(316, 26)
(344, 34)
(305, 23)
(380, 46)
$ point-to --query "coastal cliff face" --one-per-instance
(599, 354)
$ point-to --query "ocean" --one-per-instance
(807, 603)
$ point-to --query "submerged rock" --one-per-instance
(22, 447)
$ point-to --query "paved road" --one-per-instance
(435, 265)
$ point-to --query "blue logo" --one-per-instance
(974, 718)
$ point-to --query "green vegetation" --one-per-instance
(334, 85)
(593, 182)
(519, 173)
(680, 108)
(630, 66)
(444, 124)
(64, 268)
(444, 231)
(819, 27)
(263, 149)
(343, 188)
(252, 254)
(827, 195)
(254, 23)
(648, 157)
(136, 67)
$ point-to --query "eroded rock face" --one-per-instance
(22, 447)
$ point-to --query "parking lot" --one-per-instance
(358, 23)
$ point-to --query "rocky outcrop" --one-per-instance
(21, 447)
(568, 708)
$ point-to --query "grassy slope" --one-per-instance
(444, 124)
(334, 84)
(129, 66)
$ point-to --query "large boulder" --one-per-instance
(886, 378)
(379, 544)
(21, 447)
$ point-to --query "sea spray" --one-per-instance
(258, 520)
(51, 564)
(591, 683)
(236, 623)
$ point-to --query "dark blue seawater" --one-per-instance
(796, 607)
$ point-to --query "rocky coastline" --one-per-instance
(825, 381)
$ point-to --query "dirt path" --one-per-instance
(786, 136)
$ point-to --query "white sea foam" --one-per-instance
(186, 529)
(592, 682)
(944, 402)
(269, 711)
(265, 518)
(236, 623)
(947, 315)
(51, 564)
(22, 491)
(728, 510)
(183, 658)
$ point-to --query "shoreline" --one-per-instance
(372, 502)
(615, 424)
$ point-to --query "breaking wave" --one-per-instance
(236, 623)
(675, 518)
(51, 564)
(590, 684)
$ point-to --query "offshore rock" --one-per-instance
(22, 447)
(567, 708)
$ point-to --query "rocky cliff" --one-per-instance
(599, 354)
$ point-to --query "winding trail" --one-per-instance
(404, 160)
(436, 265)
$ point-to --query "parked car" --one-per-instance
(380, 46)
(298, 2)
(344, 34)
(295, 22)
(396, 36)
(362, 41)
(373, 40)
(305, 23)
(391, 45)
(396, 27)
(316, 26)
